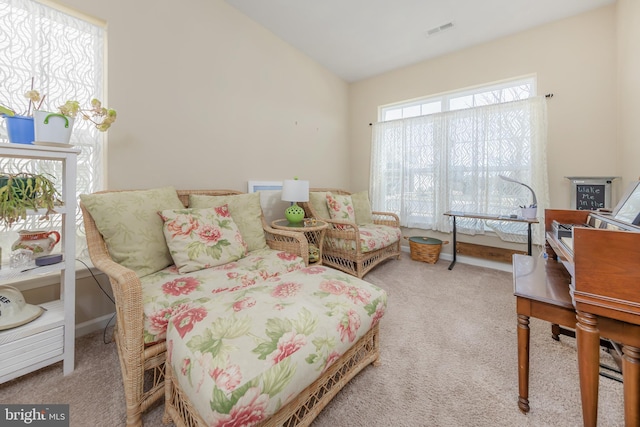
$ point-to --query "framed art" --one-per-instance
(254, 186)
(270, 198)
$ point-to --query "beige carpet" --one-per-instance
(449, 358)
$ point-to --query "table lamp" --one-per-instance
(295, 190)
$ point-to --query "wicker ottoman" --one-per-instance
(273, 353)
(426, 249)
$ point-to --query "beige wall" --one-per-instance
(629, 88)
(206, 98)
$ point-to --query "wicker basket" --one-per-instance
(425, 249)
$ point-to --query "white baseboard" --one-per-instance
(97, 324)
(480, 262)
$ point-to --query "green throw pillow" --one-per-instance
(362, 207)
(245, 210)
(131, 227)
(318, 199)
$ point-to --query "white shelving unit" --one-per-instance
(51, 337)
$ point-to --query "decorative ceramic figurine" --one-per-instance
(314, 253)
(40, 242)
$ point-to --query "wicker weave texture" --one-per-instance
(305, 407)
(425, 253)
(352, 261)
(143, 366)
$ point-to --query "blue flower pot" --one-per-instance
(20, 129)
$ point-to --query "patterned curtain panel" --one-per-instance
(424, 166)
(65, 57)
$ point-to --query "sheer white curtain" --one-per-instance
(65, 56)
(424, 166)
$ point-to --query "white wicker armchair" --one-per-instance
(342, 247)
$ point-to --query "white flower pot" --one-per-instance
(52, 127)
(529, 213)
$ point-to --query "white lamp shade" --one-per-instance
(295, 190)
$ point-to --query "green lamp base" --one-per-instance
(294, 214)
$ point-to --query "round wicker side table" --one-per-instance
(313, 233)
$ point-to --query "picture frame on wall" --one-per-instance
(255, 186)
(270, 198)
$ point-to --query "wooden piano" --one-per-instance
(591, 283)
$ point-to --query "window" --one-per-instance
(65, 56)
(486, 95)
(446, 153)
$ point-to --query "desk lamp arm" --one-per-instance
(535, 201)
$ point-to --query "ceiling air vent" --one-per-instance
(437, 30)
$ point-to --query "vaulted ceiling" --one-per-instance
(357, 39)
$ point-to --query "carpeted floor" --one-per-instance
(449, 358)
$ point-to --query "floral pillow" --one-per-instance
(246, 211)
(340, 208)
(202, 238)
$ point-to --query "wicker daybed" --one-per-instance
(343, 248)
(143, 364)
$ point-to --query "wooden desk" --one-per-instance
(487, 217)
(601, 270)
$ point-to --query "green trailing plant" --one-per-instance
(26, 191)
(100, 116)
(4, 111)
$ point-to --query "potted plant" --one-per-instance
(20, 126)
(100, 116)
(57, 127)
(48, 126)
(23, 191)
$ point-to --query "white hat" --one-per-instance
(14, 311)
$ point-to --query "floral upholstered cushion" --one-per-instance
(372, 237)
(131, 227)
(362, 208)
(245, 210)
(341, 208)
(167, 292)
(202, 238)
(251, 351)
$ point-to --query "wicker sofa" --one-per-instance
(145, 318)
(346, 244)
